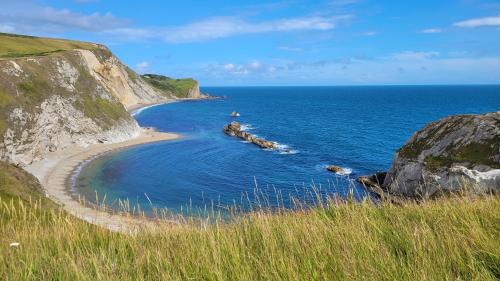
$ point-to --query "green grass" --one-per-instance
(17, 184)
(5, 100)
(448, 239)
(106, 111)
(12, 45)
(177, 87)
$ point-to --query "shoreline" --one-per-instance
(56, 171)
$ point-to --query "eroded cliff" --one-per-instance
(62, 96)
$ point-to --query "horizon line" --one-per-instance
(348, 85)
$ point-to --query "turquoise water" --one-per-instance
(358, 128)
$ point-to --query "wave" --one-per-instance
(138, 111)
(284, 148)
(347, 171)
(246, 127)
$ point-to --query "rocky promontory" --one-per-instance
(234, 129)
(455, 153)
(57, 93)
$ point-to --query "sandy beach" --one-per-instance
(55, 171)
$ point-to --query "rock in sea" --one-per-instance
(335, 169)
(234, 129)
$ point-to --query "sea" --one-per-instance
(358, 128)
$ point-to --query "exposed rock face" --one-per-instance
(447, 155)
(120, 81)
(70, 97)
(194, 92)
(234, 129)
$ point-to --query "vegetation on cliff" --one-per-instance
(448, 239)
(456, 151)
(180, 88)
(43, 79)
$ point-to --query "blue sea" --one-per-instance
(357, 128)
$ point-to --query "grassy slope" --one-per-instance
(440, 240)
(17, 184)
(22, 46)
(178, 87)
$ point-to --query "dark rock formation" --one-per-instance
(376, 179)
(335, 169)
(234, 129)
(448, 155)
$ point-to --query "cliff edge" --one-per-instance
(446, 156)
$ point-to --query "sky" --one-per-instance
(276, 43)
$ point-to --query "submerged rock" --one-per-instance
(455, 153)
(234, 129)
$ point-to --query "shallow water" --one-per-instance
(358, 128)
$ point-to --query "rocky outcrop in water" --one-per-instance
(448, 155)
(335, 169)
(234, 129)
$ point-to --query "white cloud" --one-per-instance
(290, 49)
(369, 33)
(222, 27)
(478, 22)
(7, 28)
(235, 69)
(408, 67)
(431, 30)
(242, 69)
(30, 17)
(413, 55)
(255, 65)
(142, 67)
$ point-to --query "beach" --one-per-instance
(56, 170)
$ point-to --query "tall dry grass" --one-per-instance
(447, 239)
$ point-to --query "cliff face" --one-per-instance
(446, 154)
(53, 100)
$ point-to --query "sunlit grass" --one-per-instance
(448, 239)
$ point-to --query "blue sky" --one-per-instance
(332, 42)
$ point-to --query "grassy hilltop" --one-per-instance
(13, 45)
(450, 239)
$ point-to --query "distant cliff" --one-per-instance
(447, 155)
(55, 93)
(175, 88)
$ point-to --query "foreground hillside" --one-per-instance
(447, 239)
